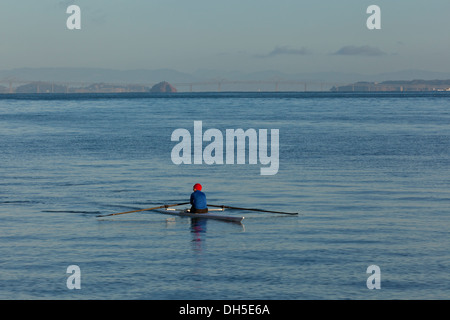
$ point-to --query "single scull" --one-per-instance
(186, 213)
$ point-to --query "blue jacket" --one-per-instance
(198, 200)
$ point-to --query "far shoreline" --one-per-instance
(224, 94)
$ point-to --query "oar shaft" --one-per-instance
(251, 209)
(148, 209)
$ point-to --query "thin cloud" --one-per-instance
(283, 50)
(359, 51)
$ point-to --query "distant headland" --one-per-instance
(51, 87)
(397, 86)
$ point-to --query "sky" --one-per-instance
(291, 36)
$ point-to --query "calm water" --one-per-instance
(369, 174)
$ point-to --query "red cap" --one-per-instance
(198, 186)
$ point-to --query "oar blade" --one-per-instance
(253, 209)
(140, 210)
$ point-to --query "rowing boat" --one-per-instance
(187, 213)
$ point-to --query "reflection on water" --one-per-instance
(198, 230)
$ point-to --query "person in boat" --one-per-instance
(198, 200)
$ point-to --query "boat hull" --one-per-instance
(186, 213)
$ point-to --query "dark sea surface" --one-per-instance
(368, 173)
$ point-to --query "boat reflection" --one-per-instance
(198, 230)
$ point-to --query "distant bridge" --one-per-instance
(259, 85)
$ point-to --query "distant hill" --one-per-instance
(163, 87)
(414, 85)
(41, 87)
(51, 87)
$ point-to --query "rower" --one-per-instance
(198, 200)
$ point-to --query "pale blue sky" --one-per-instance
(290, 36)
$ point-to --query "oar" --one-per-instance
(250, 209)
(160, 207)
